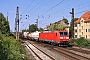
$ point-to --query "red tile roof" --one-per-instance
(85, 16)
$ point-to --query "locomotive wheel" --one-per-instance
(37, 40)
(59, 44)
(53, 43)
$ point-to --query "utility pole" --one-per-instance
(36, 24)
(72, 21)
(17, 23)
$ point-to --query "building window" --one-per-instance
(75, 25)
(79, 24)
(75, 30)
(88, 24)
(81, 20)
(75, 36)
(86, 30)
(82, 27)
(79, 30)
(86, 36)
(82, 33)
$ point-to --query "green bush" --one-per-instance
(80, 42)
(11, 49)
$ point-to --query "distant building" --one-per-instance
(58, 22)
(47, 26)
(82, 26)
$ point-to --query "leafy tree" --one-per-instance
(56, 27)
(32, 28)
(40, 29)
(52, 27)
(4, 24)
(24, 31)
(65, 20)
(61, 27)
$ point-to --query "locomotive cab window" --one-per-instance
(63, 33)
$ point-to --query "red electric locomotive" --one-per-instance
(55, 37)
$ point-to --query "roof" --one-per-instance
(85, 16)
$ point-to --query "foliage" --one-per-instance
(81, 42)
(56, 27)
(4, 24)
(65, 20)
(41, 29)
(52, 27)
(32, 28)
(24, 31)
(10, 49)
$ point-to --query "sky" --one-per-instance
(46, 11)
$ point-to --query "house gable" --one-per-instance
(85, 17)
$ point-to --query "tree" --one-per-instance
(32, 28)
(65, 20)
(41, 29)
(56, 27)
(61, 27)
(4, 24)
(24, 30)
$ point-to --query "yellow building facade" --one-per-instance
(82, 26)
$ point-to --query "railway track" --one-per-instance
(37, 53)
(69, 53)
(72, 55)
(75, 54)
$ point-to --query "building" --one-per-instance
(82, 26)
(58, 22)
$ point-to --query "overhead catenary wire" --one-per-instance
(64, 7)
(28, 7)
(64, 12)
(35, 5)
(41, 2)
(53, 7)
(39, 6)
(68, 6)
(81, 12)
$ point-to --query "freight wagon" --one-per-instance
(34, 36)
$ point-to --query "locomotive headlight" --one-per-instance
(61, 37)
(67, 37)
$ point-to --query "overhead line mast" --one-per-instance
(17, 23)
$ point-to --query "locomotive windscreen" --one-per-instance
(63, 33)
